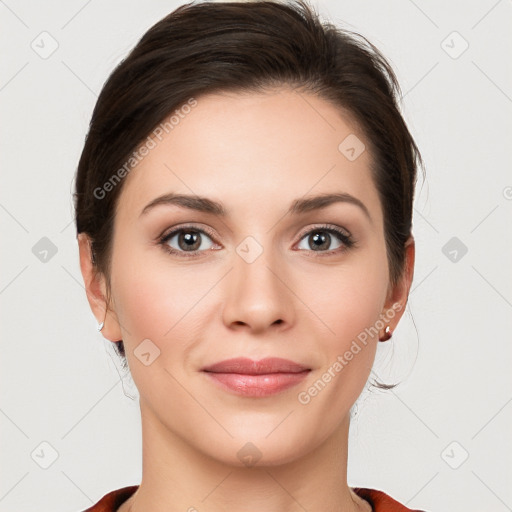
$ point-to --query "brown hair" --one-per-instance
(243, 47)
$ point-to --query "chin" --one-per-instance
(255, 448)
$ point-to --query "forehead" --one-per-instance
(254, 149)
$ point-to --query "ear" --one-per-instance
(398, 294)
(96, 290)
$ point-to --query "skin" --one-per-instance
(255, 153)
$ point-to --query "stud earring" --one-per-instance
(100, 326)
(387, 334)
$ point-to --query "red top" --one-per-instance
(379, 500)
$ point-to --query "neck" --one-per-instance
(177, 477)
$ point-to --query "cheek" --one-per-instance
(350, 310)
(160, 302)
(346, 300)
(163, 307)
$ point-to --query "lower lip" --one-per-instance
(257, 385)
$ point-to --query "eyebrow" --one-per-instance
(298, 206)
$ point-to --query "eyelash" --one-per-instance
(347, 240)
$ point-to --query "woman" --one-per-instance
(244, 208)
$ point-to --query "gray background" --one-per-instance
(441, 440)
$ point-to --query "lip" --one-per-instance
(247, 366)
(266, 377)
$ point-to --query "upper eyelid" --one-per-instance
(174, 230)
(326, 227)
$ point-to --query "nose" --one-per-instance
(257, 297)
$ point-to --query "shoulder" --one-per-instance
(380, 501)
(113, 500)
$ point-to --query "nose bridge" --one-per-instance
(257, 295)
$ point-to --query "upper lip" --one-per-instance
(247, 366)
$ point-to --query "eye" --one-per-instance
(326, 239)
(192, 241)
(187, 241)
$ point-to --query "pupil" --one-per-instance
(320, 240)
(190, 239)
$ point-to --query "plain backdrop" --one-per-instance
(441, 440)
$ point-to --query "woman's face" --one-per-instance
(270, 278)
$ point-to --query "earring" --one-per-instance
(102, 324)
(387, 334)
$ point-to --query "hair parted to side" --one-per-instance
(255, 46)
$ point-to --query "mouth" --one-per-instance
(246, 377)
(247, 366)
